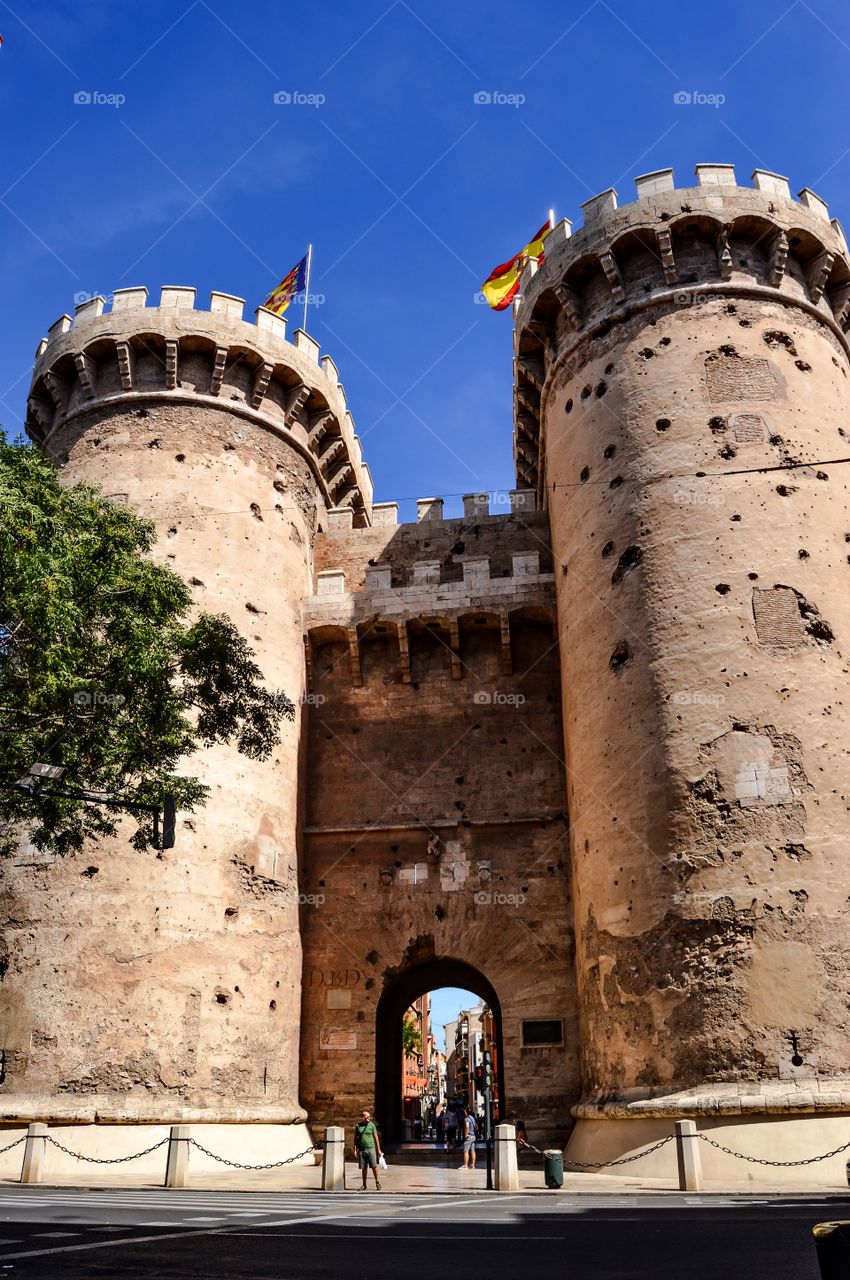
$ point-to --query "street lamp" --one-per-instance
(39, 783)
(36, 776)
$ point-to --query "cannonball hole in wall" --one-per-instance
(620, 657)
(630, 559)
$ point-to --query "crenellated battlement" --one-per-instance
(176, 351)
(671, 247)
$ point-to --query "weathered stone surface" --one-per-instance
(707, 764)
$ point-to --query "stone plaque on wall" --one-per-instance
(330, 1038)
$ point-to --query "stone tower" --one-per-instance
(677, 363)
(172, 991)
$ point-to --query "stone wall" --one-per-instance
(165, 986)
(435, 810)
(687, 349)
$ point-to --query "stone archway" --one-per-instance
(395, 1000)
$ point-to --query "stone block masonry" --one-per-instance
(584, 751)
(672, 357)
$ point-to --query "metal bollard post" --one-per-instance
(177, 1168)
(832, 1242)
(507, 1172)
(333, 1164)
(34, 1152)
(688, 1156)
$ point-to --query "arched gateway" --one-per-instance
(395, 1001)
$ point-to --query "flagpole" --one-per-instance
(307, 282)
(551, 219)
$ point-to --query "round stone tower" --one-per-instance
(682, 394)
(160, 989)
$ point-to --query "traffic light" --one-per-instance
(480, 1083)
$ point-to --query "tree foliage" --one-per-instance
(103, 667)
(411, 1039)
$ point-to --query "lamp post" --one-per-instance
(40, 783)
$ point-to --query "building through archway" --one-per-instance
(397, 998)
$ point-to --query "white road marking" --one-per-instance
(172, 1235)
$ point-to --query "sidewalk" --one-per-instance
(412, 1179)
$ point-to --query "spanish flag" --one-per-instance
(290, 286)
(501, 285)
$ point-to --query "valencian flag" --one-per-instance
(290, 286)
(502, 284)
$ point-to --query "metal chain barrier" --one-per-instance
(277, 1164)
(605, 1164)
(775, 1164)
(17, 1143)
(97, 1159)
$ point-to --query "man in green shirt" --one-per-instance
(367, 1147)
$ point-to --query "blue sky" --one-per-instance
(409, 188)
(446, 1003)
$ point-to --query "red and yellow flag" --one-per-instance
(502, 283)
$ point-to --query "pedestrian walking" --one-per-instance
(469, 1136)
(451, 1130)
(367, 1147)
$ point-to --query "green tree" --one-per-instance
(411, 1040)
(104, 670)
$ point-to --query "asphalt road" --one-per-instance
(189, 1234)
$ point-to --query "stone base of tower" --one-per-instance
(241, 1143)
(765, 1122)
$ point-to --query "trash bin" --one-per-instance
(832, 1242)
(553, 1169)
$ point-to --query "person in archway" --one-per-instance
(367, 1147)
(450, 1130)
(469, 1136)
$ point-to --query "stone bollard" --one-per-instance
(177, 1169)
(333, 1165)
(34, 1152)
(688, 1156)
(507, 1172)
